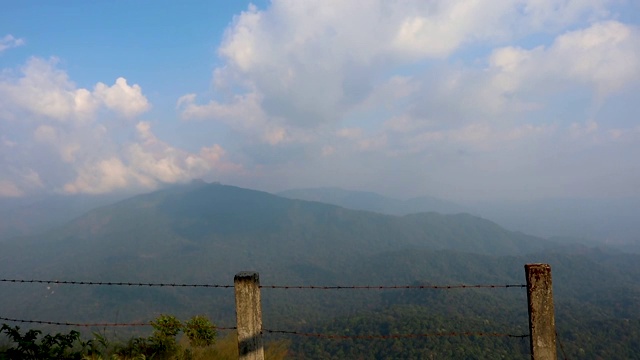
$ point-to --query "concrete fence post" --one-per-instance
(542, 325)
(249, 316)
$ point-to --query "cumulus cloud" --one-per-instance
(599, 61)
(605, 56)
(68, 141)
(101, 177)
(46, 91)
(398, 93)
(434, 83)
(122, 98)
(147, 163)
(243, 113)
(310, 70)
(9, 41)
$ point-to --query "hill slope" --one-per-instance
(369, 201)
(205, 233)
(253, 228)
(208, 232)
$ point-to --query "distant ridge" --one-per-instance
(369, 201)
(237, 227)
(208, 232)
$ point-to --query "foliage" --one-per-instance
(163, 341)
(200, 331)
(198, 343)
(27, 346)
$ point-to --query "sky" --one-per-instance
(463, 100)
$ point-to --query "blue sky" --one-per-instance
(510, 99)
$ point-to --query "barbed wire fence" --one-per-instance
(247, 291)
(283, 287)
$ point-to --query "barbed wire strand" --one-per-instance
(394, 336)
(91, 324)
(285, 332)
(111, 283)
(388, 287)
(310, 287)
(74, 324)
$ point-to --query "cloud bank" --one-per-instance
(442, 91)
(65, 137)
(459, 99)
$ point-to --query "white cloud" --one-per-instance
(300, 76)
(46, 91)
(605, 56)
(440, 27)
(311, 70)
(244, 114)
(146, 164)
(9, 41)
(122, 98)
(436, 84)
(598, 61)
(76, 149)
(101, 177)
(397, 93)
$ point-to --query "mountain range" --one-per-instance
(370, 201)
(205, 233)
(613, 222)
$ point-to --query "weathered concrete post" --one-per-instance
(249, 316)
(542, 324)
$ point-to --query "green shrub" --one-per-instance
(200, 331)
(27, 346)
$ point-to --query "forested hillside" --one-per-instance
(205, 233)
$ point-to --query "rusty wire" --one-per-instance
(311, 287)
(110, 283)
(394, 336)
(389, 287)
(65, 323)
(286, 287)
(73, 324)
(285, 332)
